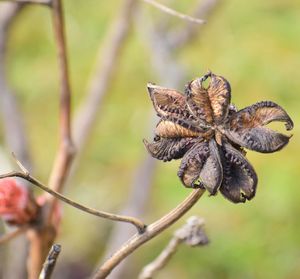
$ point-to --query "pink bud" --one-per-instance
(16, 205)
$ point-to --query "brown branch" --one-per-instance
(42, 237)
(137, 201)
(66, 149)
(25, 175)
(172, 12)
(13, 234)
(151, 231)
(50, 262)
(192, 233)
(106, 65)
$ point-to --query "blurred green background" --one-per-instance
(255, 45)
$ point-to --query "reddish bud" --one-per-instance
(17, 207)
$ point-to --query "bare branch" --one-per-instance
(13, 234)
(191, 233)
(161, 261)
(50, 262)
(180, 38)
(66, 149)
(13, 124)
(172, 12)
(137, 223)
(106, 64)
(135, 205)
(20, 165)
(42, 238)
(151, 231)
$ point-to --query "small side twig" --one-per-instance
(180, 38)
(13, 234)
(50, 262)
(114, 217)
(151, 231)
(175, 13)
(191, 233)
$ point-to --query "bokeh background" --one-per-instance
(254, 44)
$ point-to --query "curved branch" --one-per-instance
(191, 233)
(140, 226)
(151, 231)
(174, 13)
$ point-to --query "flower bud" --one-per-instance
(17, 207)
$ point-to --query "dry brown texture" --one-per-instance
(198, 101)
(172, 130)
(206, 164)
(219, 96)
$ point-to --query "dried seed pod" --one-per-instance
(210, 135)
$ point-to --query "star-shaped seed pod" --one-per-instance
(203, 128)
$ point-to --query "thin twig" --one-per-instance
(140, 226)
(151, 231)
(175, 13)
(136, 204)
(192, 233)
(39, 2)
(13, 234)
(180, 38)
(161, 261)
(50, 262)
(43, 237)
(66, 149)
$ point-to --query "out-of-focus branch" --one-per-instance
(14, 130)
(42, 237)
(25, 175)
(66, 149)
(192, 233)
(180, 38)
(40, 2)
(161, 261)
(50, 262)
(172, 12)
(134, 206)
(15, 135)
(13, 234)
(106, 65)
(152, 230)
